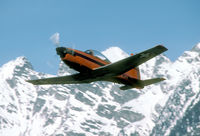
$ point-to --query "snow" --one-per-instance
(114, 54)
(196, 48)
(95, 109)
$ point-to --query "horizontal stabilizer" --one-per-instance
(151, 81)
(126, 87)
(142, 83)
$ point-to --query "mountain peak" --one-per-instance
(196, 48)
(92, 109)
(21, 61)
(20, 64)
(115, 53)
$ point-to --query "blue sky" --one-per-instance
(132, 25)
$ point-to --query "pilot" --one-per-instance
(90, 52)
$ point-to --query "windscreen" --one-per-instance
(97, 54)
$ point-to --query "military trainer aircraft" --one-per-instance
(94, 66)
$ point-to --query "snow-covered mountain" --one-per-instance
(100, 108)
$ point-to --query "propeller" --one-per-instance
(72, 47)
(55, 38)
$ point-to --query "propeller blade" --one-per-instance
(55, 38)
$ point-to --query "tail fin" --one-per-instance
(142, 83)
(134, 73)
(138, 72)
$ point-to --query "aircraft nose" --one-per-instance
(61, 51)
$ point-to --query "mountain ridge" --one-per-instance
(99, 108)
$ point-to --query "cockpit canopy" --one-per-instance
(97, 54)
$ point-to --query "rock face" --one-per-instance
(100, 108)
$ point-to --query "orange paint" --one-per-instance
(133, 73)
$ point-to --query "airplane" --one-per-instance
(94, 66)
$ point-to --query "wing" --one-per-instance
(127, 64)
(72, 79)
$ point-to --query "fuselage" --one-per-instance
(91, 60)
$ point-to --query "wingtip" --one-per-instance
(162, 79)
(30, 81)
(162, 47)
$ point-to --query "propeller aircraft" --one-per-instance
(94, 66)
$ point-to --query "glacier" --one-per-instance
(101, 108)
